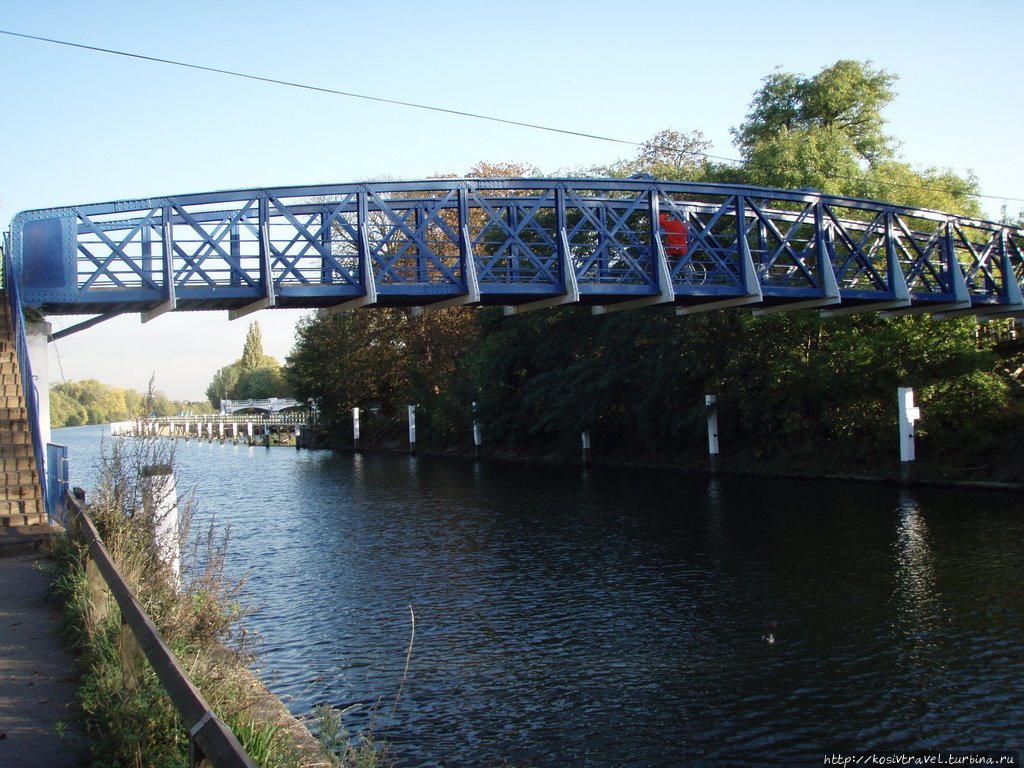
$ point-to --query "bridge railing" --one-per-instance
(208, 736)
(603, 242)
(271, 404)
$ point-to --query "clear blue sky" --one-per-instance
(84, 127)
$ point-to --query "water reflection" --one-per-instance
(613, 618)
(918, 622)
(916, 599)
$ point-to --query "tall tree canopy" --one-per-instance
(843, 101)
(255, 375)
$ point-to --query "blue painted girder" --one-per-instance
(516, 242)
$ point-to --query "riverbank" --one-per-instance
(738, 463)
(197, 610)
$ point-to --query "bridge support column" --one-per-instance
(711, 407)
(586, 447)
(908, 415)
(355, 429)
(38, 334)
(412, 429)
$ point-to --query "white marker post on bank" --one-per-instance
(909, 414)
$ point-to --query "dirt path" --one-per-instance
(37, 678)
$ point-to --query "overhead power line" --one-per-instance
(427, 107)
(316, 88)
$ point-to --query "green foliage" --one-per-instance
(224, 384)
(254, 375)
(66, 411)
(844, 100)
(252, 352)
(102, 403)
(74, 403)
(336, 740)
(669, 154)
(348, 360)
(385, 359)
(262, 383)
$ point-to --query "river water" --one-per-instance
(571, 617)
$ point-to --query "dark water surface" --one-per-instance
(566, 617)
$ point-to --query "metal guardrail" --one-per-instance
(209, 737)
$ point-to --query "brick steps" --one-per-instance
(20, 498)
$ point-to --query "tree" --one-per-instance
(252, 352)
(75, 403)
(349, 360)
(253, 376)
(669, 154)
(844, 100)
(65, 410)
(262, 383)
(224, 384)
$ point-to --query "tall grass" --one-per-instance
(128, 717)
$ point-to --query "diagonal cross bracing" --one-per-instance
(515, 242)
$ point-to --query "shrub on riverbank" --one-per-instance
(131, 722)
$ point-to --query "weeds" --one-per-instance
(337, 741)
(131, 722)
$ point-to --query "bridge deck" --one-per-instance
(514, 242)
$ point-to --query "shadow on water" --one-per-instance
(614, 617)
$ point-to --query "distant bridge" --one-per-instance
(523, 243)
(268, 405)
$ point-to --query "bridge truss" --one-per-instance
(521, 243)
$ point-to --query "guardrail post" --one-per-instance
(133, 661)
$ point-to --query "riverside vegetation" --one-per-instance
(74, 403)
(796, 392)
(200, 619)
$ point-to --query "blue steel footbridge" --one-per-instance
(518, 242)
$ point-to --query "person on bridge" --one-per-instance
(676, 234)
